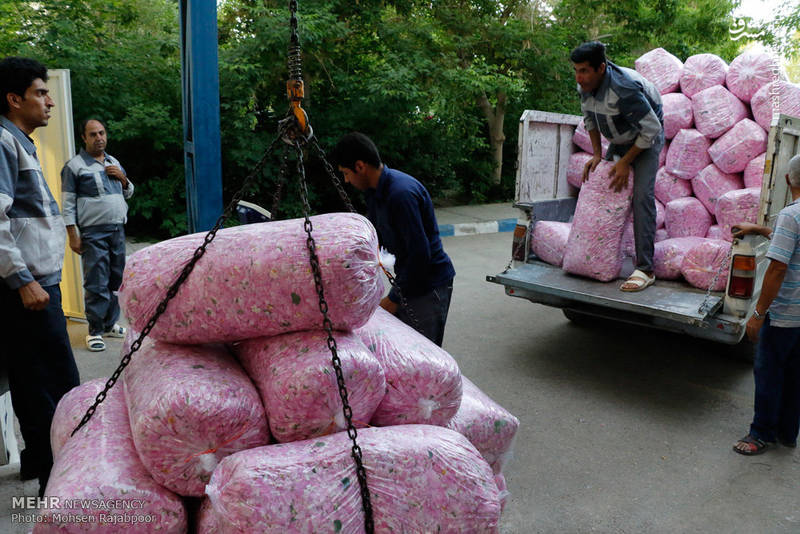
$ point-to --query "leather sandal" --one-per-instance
(640, 280)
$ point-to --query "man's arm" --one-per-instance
(773, 279)
(69, 207)
(597, 153)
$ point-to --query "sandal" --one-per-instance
(756, 446)
(95, 343)
(116, 331)
(639, 280)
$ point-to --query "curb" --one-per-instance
(483, 227)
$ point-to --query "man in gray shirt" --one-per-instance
(94, 189)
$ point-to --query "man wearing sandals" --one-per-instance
(775, 325)
(94, 189)
(626, 109)
(33, 330)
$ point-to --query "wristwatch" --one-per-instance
(758, 315)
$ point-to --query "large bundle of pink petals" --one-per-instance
(711, 183)
(486, 424)
(549, 241)
(678, 115)
(774, 98)
(99, 465)
(688, 154)
(716, 110)
(686, 217)
(661, 235)
(715, 232)
(70, 411)
(702, 71)
(741, 144)
(593, 248)
(668, 256)
(669, 187)
(661, 68)
(421, 478)
(190, 406)
(577, 162)
(749, 72)
(582, 139)
(754, 172)
(255, 280)
(737, 206)
(423, 382)
(297, 382)
(702, 263)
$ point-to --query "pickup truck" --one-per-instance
(543, 194)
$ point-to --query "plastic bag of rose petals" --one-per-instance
(255, 280)
(749, 72)
(774, 98)
(422, 478)
(582, 139)
(100, 463)
(702, 71)
(593, 248)
(688, 154)
(686, 217)
(734, 150)
(190, 406)
(70, 411)
(715, 232)
(297, 382)
(668, 256)
(669, 187)
(737, 206)
(711, 183)
(703, 261)
(754, 172)
(716, 110)
(661, 68)
(678, 115)
(549, 241)
(577, 162)
(423, 382)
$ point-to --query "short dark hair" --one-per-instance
(594, 52)
(16, 75)
(353, 147)
(85, 122)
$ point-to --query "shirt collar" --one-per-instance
(601, 90)
(24, 140)
(89, 159)
(383, 182)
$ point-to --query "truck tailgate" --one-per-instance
(551, 285)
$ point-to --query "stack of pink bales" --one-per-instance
(233, 400)
(716, 119)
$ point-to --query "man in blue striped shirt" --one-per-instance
(775, 324)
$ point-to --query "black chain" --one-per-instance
(327, 325)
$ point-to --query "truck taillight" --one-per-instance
(743, 275)
(518, 246)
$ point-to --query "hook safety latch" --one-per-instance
(300, 129)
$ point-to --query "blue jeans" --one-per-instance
(777, 377)
(103, 261)
(430, 311)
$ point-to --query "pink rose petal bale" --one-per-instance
(628, 241)
(686, 217)
(702, 71)
(715, 232)
(754, 172)
(702, 263)
(577, 162)
(661, 68)
(593, 248)
(549, 241)
(678, 113)
(297, 382)
(421, 478)
(668, 256)
(100, 463)
(749, 72)
(737, 206)
(190, 406)
(500, 480)
(255, 280)
(661, 235)
(70, 411)
(716, 110)
(486, 424)
(423, 382)
(582, 139)
(734, 150)
(688, 154)
(774, 98)
(662, 156)
(711, 183)
(669, 187)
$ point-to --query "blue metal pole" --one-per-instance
(200, 78)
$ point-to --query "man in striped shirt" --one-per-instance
(775, 324)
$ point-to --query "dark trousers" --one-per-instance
(777, 375)
(41, 369)
(430, 311)
(103, 261)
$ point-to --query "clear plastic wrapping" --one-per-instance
(423, 382)
(749, 72)
(661, 68)
(295, 376)
(715, 232)
(594, 245)
(577, 162)
(668, 256)
(421, 478)
(734, 150)
(774, 98)
(549, 241)
(711, 183)
(668, 187)
(255, 280)
(754, 172)
(716, 110)
(661, 235)
(688, 154)
(190, 406)
(678, 114)
(100, 480)
(702, 71)
(737, 206)
(687, 217)
(486, 424)
(703, 261)
(70, 411)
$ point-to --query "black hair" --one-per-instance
(85, 122)
(594, 52)
(16, 75)
(353, 147)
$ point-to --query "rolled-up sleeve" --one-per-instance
(13, 269)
